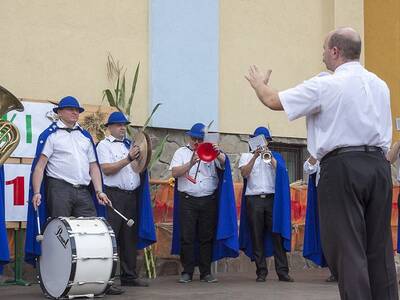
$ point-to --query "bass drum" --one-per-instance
(79, 257)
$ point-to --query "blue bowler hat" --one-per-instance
(68, 101)
(117, 117)
(197, 131)
(264, 131)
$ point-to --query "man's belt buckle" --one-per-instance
(263, 196)
(77, 186)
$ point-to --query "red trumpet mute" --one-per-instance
(206, 152)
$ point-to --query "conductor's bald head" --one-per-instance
(341, 45)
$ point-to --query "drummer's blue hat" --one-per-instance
(69, 102)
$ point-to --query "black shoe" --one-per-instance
(114, 290)
(260, 278)
(209, 278)
(286, 278)
(331, 278)
(134, 282)
(185, 278)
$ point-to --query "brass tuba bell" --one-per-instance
(9, 134)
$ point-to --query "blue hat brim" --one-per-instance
(267, 138)
(81, 109)
(195, 135)
(110, 123)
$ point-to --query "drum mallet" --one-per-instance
(129, 222)
(39, 237)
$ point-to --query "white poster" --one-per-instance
(35, 118)
(16, 191)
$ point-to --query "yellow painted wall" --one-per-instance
(284, 35)
(382, 47)
(53, 48)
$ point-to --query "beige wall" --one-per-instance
(53, 48)
(284, 35)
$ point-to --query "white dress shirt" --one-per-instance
(69, 155)
(351, 107)
(111, 150)
(207, 177)
(262, 177)
(311, 127)
(311, 169)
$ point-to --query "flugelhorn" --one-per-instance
(9, 134)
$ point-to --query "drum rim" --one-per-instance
(74, 262)
(115, 254)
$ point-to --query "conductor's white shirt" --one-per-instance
(351, 107)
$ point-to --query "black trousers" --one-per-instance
(125, 202)
(198, 218)
(64, 200)
(259, 213)
(355, 202)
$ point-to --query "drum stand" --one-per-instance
(18, 260)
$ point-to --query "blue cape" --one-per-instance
(4, 251)
(226, 237)
(312, 249)
(281, 217)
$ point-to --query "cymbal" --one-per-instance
(142, 140)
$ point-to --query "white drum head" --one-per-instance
(55, 263)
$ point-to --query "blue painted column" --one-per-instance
(184, 62)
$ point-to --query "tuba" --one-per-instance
(9, 134)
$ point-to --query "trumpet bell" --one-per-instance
(206, 152)
(267, 157)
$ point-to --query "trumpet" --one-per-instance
(265, 154)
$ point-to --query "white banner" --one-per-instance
(30, 123)
(16, 191)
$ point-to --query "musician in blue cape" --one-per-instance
(205, 221)
(312, 248)
(129, 193)
(65, 176)
(265, 225)
(4, 251)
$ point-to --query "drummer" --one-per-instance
(66, 159)
(128, 192)
(66, 178)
